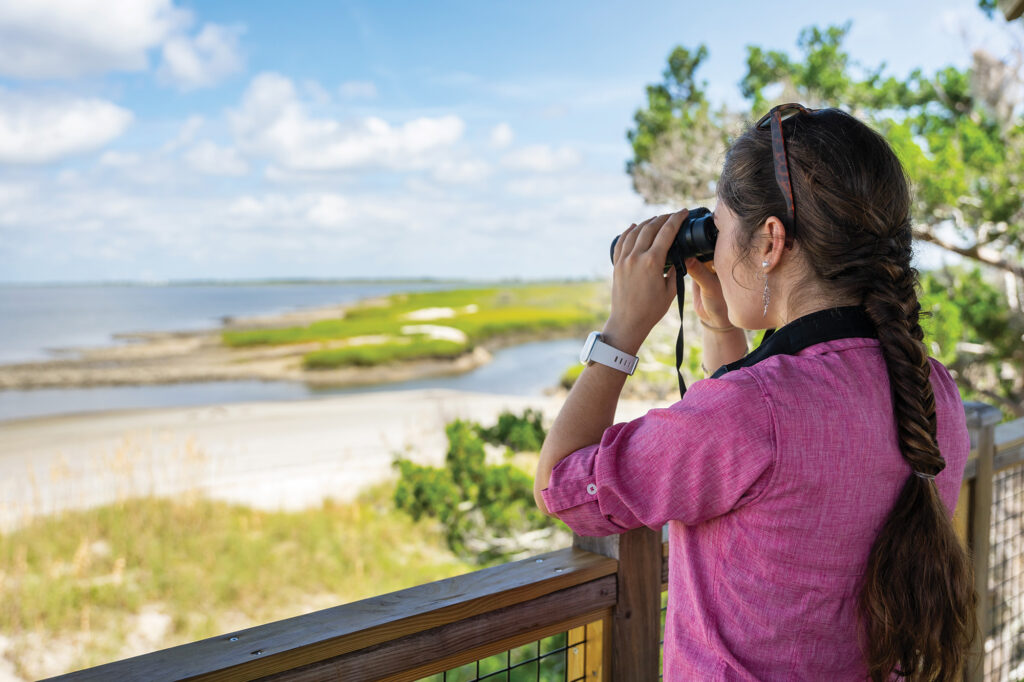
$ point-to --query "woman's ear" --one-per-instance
(773, 244)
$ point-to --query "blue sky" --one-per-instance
(157, 140)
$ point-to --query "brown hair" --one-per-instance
(852, 223)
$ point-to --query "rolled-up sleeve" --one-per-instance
(710, 453)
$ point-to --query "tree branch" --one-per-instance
(986, 256)
(1011, 403)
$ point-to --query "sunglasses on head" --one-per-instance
(774, 119)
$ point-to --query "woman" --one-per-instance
(808, 486)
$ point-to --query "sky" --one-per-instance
(157, 140)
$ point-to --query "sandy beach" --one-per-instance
(271, 455)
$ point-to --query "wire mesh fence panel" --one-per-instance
(564, 657)
(1004, 645)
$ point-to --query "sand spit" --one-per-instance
(149, 358)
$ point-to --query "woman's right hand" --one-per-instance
(708, 300)
(723, 342)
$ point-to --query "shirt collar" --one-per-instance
(831, 324)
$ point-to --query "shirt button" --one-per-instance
(592, 488)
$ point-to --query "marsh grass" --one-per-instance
(210, 566)
(480, 314)
(370, 355)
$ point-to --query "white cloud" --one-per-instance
(11, 192)
(273, 122)
(37, 129)
(291, 211)
(501, 136)
(461, 172)
(204, 60)
(119, 159)
(329, 210)
(68, 38)
(72, 38)
(541, 158)
(212, 159)
(358, 90)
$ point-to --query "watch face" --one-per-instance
(588, 346)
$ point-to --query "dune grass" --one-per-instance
(210, 566)
(481, 314)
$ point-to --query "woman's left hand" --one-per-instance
(641, 291)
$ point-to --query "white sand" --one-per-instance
(270, 455)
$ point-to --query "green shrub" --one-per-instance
(521, 433)
(487, 512)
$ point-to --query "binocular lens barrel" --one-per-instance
(696, 239)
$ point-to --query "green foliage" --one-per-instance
(371, 355)
(487, 511)
(669, 103)
(569, 377)
(693, 357)
(523, 433)
(972, 330)
(822, 74)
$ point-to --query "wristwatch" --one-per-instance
(597, 350)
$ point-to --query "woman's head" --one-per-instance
(850, 244)
(852, 214)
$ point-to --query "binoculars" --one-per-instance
(696, 239)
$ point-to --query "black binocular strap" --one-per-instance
(680, 296)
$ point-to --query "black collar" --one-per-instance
(850, 322)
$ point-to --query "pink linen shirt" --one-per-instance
(774, 481)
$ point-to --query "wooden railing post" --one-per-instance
(981, 421)
(635, 631)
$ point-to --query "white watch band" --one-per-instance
(601, 352)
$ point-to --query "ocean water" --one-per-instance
(39, 321)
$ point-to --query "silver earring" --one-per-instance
(767, 294)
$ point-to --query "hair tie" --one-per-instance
(929, 477)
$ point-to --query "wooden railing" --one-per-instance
(605, 592)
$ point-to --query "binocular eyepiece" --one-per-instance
(696, 239)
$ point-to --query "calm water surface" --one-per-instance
(527, 369)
